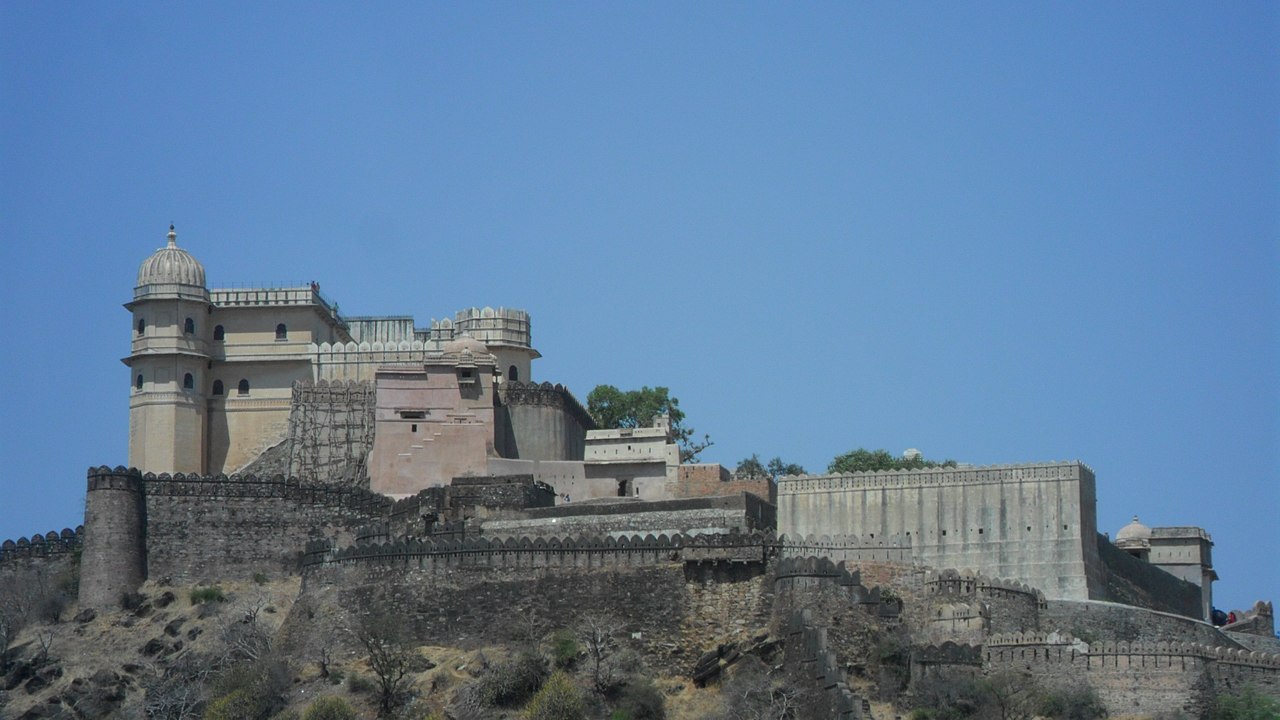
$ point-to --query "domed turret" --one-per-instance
(171, 265)
(1135, 539)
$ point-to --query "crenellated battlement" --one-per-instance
(924, 477)
(951, 582)
(1061, 647)
(237, 486)
(848, 548)
(802, 574)
(43, 545)
(515, 392)
(447, 552)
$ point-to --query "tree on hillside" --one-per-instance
(776, 468)
(863, 460)
(614, 408)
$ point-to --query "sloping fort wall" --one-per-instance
(477, 591)
(1034, 522)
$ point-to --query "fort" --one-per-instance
(427, 471)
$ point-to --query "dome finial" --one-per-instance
(173, 236)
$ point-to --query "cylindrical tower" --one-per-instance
(114, 560)
(168, 363)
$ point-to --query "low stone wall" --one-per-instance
(1111, 622)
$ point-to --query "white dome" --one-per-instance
(171, 265)
(465, 342)
(1134, 531)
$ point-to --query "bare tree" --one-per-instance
(1012, 696)
(179, 692)
(597, 633)
(751, 694)
(384, 639)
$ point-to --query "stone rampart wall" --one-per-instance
(50, 544)
(848, 548)
(1136, 582)
(1033, 522)
(809, 658)
(542, 422)
(220, 527)
(664, 594)
(1142, 677)
(445, 554)
(1009, 606)
(1113, 622)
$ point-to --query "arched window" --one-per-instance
(217, 387)
(243, 389)
(188, 382)
(282, 332)
(218, 332)
(138, 383)
(513, 373)
(142, 326)
(189, 327)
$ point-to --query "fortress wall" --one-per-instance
(850, 549)
(1007, 605)
(742, 513)
(1134, 582)
(219, 527)
(42, 563)
(475, 591)
(1025, 521)
(543, 422)
(1112, 622)
(810, 659)
(1136, 678)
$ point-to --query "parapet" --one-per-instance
(503, 326)
(43, 545)
(121, 478)
(969, 583)
(926, 477)
(442, 553)
(515, 392)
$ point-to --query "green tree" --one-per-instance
(863, 460)
(775, 468)
(1247, 704)
(559, 699)
(614, 408)
(751, 466)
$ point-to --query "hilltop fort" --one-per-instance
(428, 473)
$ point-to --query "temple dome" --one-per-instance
(1134, 532)
(465, 342)
(171, 265)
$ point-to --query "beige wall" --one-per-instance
(453, 436)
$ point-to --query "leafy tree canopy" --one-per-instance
(775, 468)
(862, 460)
(614, 408)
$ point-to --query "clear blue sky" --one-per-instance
(995, 232)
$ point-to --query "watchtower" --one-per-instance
(168, 363)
